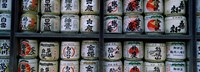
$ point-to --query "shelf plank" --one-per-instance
(5, 34)
(198, 37)
(125, 36)
(55, 35)
(106, 36)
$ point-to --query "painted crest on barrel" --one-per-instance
(176, 29)
(89, 5)
(89, 27)
(68, 22)
(178, 9)
(90, 51)
(134, 25)
(68, 5)
(134, 51)
(134, 5)
(112, 7)
(28, 23)
(24, 66)
(154, 25)
(29, 4)
(69, 52)
(156, 53)
(48, 6)
(26, 49)
(68, 69)
(112, 26)
(135, 69)
(4, 66)
(5, 21)
(46, 53)
(47, 25)
(153, 5)
(4, 48)
(113, 51)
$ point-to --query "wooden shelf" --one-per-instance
(124, 36)
(198, 37)
(5, 34)
(55, 35)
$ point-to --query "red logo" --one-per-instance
(154, 25)
(153, 5)
(24, 66)
(133, 51)
(25, 48)
(133, 5)
(32, 25)
(34, 4)
(66, 69)
(135, 69)
(134, 25)
(65, 52)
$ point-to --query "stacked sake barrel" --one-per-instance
(175, 20)
(198, 31)
(4, 54)
(144, 57)
(198, 55)
(197, 16)
(72, 52)
(5, 15)
(133, 53)
(89, 22)
(176, 56)
(28, 53)
(112, 54)
(5, 26)
(113, 20)
(79, 16)
(176, 23)
(50, 18)
(155, 17)
(90, 55)
(60, 16)
(29, 21)
(70, 56)
(145, 17)
(165, 57)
